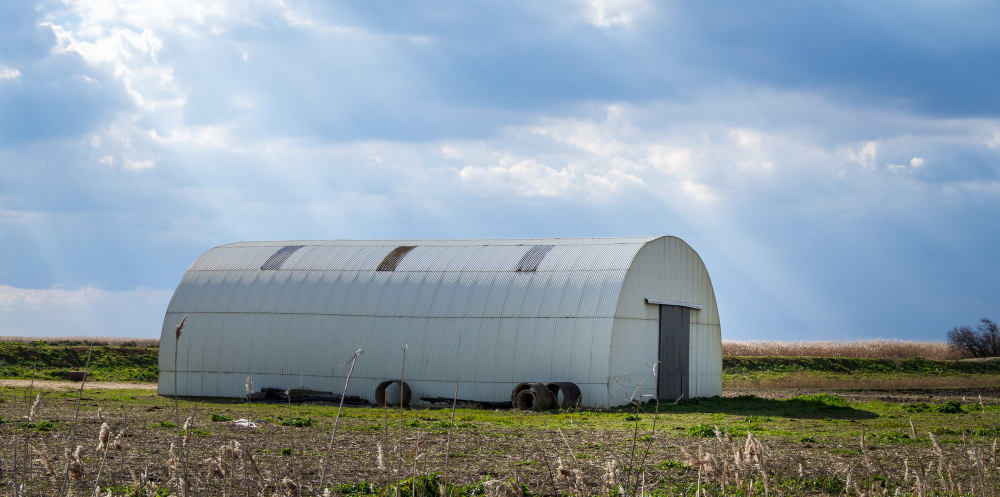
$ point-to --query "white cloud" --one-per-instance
(865, 155)
(85, 311)
(529, 178)
(8, 73)
(611, 13)
(129, 56)
(124, 144)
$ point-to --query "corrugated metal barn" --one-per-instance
(597, 312)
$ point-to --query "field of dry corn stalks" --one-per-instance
(866, 349)
(870, 349)
(126, 443)
(761, 442)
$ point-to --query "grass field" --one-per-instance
(808, 437)
(811, 444)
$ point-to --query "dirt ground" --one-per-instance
(807, 454)
(990, 395)
(75, 385)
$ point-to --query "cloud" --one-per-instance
(8, 73)
(85, 311)
(611, 13)
(130, 56)
(808, 174)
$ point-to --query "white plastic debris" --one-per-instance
(246, 423)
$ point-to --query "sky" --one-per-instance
(835, 164)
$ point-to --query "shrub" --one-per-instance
(299, 422)
(825, 398)
(701, 430)
(949, 407)
(983, 341)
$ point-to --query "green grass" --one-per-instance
(53, 362)
(747, 365)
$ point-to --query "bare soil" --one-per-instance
(807, 453)
(75, 385)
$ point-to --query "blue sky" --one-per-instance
(836, 165)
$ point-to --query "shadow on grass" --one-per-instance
(819, 406)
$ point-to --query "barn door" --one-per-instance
(675, 333)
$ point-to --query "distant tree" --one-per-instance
(981, 341)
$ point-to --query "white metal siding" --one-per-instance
(459, 305)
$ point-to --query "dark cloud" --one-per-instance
(778, 139)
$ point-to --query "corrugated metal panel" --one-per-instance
(460, 305)
(227, 259)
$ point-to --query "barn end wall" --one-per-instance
(666, 269)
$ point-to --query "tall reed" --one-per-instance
(451, 426)
(399, 443)
(178, 331)
(336, 421)
(76, 419)
(868, 349)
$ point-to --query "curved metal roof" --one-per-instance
(437, 278)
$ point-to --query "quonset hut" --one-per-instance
(600, 313)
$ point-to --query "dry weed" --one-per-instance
(86, 340)
(867, 349)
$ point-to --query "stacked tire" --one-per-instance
(541, 397)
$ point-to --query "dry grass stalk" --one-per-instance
(652, 431)
(870, 349)
(249, 391)
(497, 488)
(447, 446)
(336, 421)
(548, 469)
(399, 441)
(291, 489)
(32, 410)
(117, 444)
(247, 457)
(74, 464)
(573, 476)
(178, 331)
(76, 420)
(86, 340)
(103, 437)
(103, 444)
(609, 480)
(173, 465)
(937, 445)
(47, 462)
(34, 407)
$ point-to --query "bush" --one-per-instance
(983, 341)
(299, 422)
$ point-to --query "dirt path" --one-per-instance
(74, 385)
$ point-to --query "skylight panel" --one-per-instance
(279, 257)
(533, 257)
(392, 259)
